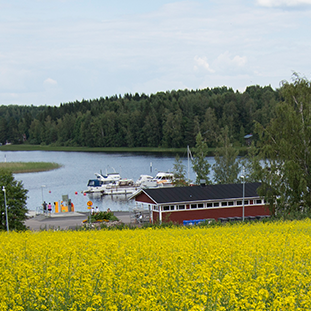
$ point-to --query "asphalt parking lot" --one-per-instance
(65, 221)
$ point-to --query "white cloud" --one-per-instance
(50, 85)
(201, 62)
(50, 82)
(228, 63)
(279, 3)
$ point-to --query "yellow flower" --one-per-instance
(263, 266)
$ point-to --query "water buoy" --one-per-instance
(76, 192)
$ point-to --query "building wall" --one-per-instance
(214, 213)
(142, 197)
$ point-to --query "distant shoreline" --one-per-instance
(180, 151)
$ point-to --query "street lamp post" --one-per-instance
(43, 186)
(6, 210)
(243, 208)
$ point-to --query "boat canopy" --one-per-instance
(94, 183)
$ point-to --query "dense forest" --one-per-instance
(166, 119)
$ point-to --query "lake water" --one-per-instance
(78, 167)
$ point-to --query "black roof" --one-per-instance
(202, 193)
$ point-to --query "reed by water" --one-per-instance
(27, 167)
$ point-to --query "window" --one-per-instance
(258, 202)
(193, 206)
(230, 203)
(172, 207)
(238, 202)
(246, 202)
(200, 205)
(166, 208)
(224, 203)
(181, 206)
(209, 204)
(216, 204)
(251, 202)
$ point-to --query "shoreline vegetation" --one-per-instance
(179, 151)
(28, 167)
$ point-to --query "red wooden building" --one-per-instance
(189, 205)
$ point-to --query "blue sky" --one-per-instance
(56, 51)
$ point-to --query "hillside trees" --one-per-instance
(171, 119)
(172, 129)
(3, 130)
(210, 128)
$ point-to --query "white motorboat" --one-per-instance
(146, 181)
(123, 186)
(164, 179)
(101, 182)
(108, 178)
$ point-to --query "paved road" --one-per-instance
(64, 221)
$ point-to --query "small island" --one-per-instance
(29, 167)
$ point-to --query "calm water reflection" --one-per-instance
(78, 168)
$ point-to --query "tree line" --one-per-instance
(165, 119)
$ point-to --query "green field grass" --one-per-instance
(27, 167)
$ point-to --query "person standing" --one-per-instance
(96, 210)
(44, 207)
(50, 208)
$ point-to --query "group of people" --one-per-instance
(94, 211)
(47, 208)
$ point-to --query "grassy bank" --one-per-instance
(180, 151)
(27, 167)
(90, 149)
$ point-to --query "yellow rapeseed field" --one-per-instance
(264, 266)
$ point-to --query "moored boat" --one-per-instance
(146, 181)
(113, 184)
(164, 179)
(123, 186)
(101, 182)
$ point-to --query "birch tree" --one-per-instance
(286, 150)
